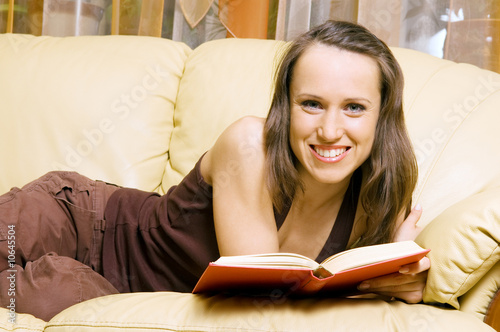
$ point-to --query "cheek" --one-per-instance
(365, 134)
(297, 125)
(370, 136)
(299, 131)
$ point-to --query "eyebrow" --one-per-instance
(358, 100)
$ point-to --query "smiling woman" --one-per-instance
(336, 109)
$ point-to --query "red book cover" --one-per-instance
(260, 280)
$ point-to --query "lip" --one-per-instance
(329, 159)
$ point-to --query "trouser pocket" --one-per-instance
(51, 214)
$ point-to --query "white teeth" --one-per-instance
(329, 153)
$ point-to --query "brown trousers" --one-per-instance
(51, 233)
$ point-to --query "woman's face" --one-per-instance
(335, 105)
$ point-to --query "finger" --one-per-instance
(405, 284)
(412, 293)
(408, 297)
(422, 265)
(408, 230)
(396, 282)
(414, 215)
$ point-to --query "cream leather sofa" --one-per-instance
(140, 111)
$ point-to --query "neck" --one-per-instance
(319, 195)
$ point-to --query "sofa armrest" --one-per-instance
(492, 317)
(464, 242)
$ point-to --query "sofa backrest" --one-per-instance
(223, 81)
(102, 106)
(453, 118)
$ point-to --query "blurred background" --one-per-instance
(459, 30)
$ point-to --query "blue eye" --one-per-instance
(311, 104)
(355, 108)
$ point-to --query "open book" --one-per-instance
(296, 274)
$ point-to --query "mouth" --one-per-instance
(330, 154)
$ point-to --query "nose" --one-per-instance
(331, 126)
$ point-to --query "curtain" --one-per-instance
(459, 30)
(474, 33)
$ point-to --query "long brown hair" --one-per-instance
(390, 173)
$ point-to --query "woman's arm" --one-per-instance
(243, 211)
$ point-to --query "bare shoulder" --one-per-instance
(243, 210)
(244, 128)
(241, 144)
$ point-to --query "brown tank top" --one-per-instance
(164, 243)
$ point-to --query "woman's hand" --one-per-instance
(409, 283)
(408, 229)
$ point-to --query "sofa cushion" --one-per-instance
(464, 242)
(102, 106)
(12, 321)
(186, 312)
(224, 80)
(452, 116)
(478, 299)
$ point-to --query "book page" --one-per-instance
(357, 257)
(276, 260)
